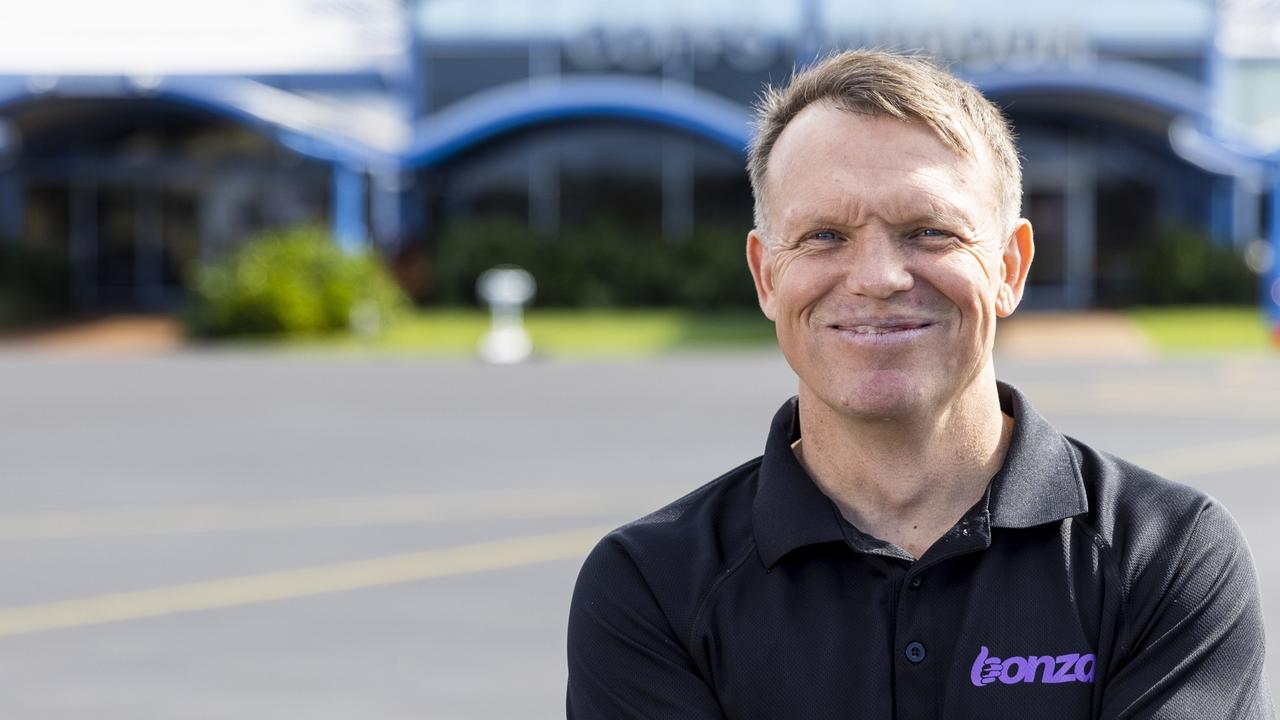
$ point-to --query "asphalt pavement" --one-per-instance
(203, 534)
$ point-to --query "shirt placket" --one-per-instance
(920, 662)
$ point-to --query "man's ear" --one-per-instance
(1019, 248)
(760, 260)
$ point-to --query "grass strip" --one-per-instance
(1204, 328)
(575, 332)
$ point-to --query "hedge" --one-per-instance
(599, 265)
(294, 282)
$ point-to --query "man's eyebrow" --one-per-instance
(934, 212)
(940, 209)
(820, 220)
(938, 212)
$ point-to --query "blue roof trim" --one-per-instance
(218, 95)
(1228, 151)
(14, 90)
(456, 128)
(1140, 84)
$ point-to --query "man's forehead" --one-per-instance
(899, 164)
(833, 157)
(824, 124)
(836, 206)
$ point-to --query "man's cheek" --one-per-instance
(782, 262)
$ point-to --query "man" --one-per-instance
(916, 541)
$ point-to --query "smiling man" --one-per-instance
(916, 541)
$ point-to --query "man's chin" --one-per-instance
(881, 395)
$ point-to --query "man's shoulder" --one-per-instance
(710, 525)
(677, 552)
(1143, 521)
(1187, 589)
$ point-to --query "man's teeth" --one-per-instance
(877, 330)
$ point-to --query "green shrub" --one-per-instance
(34, 283)
(294, 282)
(598, 265)
(1183, 267)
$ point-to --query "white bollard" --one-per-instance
(506, 289)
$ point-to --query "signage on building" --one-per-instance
(748, 35)
(637, 49)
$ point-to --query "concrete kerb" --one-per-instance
(1058, 336)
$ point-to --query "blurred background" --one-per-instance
(250, 467)
(602, 147)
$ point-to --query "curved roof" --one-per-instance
(459, 127)
(356, 135)
(481, 117)
(1186, 106)
(1126, 81)
(1142, 90)
(311, 126)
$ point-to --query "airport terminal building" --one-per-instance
(138, 150)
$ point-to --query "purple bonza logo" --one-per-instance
(1072, 667)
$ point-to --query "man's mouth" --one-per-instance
(881, 327)
(883, 333)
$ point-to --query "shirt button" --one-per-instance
(915, 582)
(915, 652)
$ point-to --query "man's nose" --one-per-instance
(877, 267)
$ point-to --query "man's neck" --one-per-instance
(906, 480)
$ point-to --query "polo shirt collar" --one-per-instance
(1039, 482)
(789, 510)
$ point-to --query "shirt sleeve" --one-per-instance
(1194, 633)
(625, 660)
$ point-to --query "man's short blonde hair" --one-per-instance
(905, 87)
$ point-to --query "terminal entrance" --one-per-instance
(1101, 195)
(134, 194)
(1058, 198)
(127, 245)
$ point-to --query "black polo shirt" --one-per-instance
(1080, 586)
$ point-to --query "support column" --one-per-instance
(148, 249)
(544, 190)
(350, 224)
(677, 190)
(388, 210)
(1080, 227)
(677, 159)
(419, 191)
(12, 212)
(1271, 278)
(84, 243)
(1246, 207)
(1222, 210)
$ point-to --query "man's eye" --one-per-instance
(933, 236)
(823, 236)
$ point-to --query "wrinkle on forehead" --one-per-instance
(853, 202)
(818, 170)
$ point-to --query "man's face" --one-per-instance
(887, 262)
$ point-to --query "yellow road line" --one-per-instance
(330, 512)
(1240, 454)
(289, 584)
